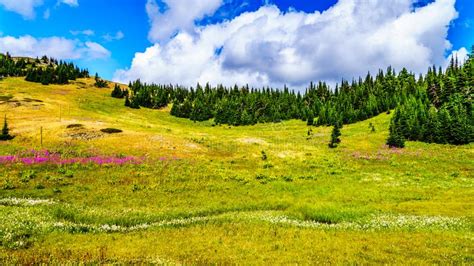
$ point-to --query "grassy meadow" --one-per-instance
(197, 193)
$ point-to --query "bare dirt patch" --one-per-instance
(79, 132)
(252, 141)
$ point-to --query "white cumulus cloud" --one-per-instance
(180, 15)
(57, 47)
(268, 47)
(93, 50)
(26, 8)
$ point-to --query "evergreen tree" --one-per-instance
(117, 92)
(335, 134)
(246, 118)
(395, 137)
(444, 119)
(310, 121)
(127, 101)
(433, 127)
(5, 131)
(100, 83)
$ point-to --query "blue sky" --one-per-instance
(124, 28)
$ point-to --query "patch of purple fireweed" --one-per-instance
(33, 157)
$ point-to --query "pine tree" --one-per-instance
(335, 134)
(395, 137)
(5, 131)
(246, 118)
(432, 132)
(117, 92)
(127, 101)
(100, 83)
(459, 129)
(444, 119)
(310, 121)
(133, 102)
(175, 110)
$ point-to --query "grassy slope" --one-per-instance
(194, 169)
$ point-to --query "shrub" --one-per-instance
(372, 127)
(267, 166)
(8, 185)
(27, 175)
(66, 172)
(111, 130)
(75, 126)
(100, 83)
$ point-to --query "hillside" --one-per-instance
(169, 190)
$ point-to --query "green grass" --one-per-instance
(204, 194)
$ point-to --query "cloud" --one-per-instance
(72, 3)
(268, 47)
(93, 50)
(26, 8)
(118, 36)
(82, 32)
(462, 55)
(57, 47)
(180, 15)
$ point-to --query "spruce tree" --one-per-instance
(310, 121)
(395, 137)
(127, 101)
(5, 131)
(335, 134)
(117, 92)
(433, 127)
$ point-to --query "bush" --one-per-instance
(8, 185)
(66, 172)
(100, 83)
(111, 130)
(27, 175)
(75, 126)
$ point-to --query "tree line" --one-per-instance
(435, 107)
(319, 105)
(60, 73)
(441, 112)
(45, 70)
(10, 67)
